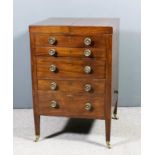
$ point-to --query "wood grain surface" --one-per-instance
(70, 62)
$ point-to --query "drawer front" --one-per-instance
(72, 86)
(70, 68)
(71, 105)
(71, 52)
(69, 41)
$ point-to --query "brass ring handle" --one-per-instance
(51, 40)
(87, 41)
(87, 87)
(87, 52)
(54, 104)
(53, 86)
(53, 68)
(87, 69)
(88, 106)
(52, 52)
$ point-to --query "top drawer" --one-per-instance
(69, 41)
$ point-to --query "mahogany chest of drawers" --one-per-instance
(74, 69)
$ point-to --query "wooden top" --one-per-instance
(109, 24)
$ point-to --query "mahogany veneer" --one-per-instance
(75, 69)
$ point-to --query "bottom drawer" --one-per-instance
(88, 106)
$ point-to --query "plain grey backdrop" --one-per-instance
(27, 12)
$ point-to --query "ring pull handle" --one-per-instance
(87, 52)
(87, 41)
(54, 104)
(53, 68)
(51, 40)
(53, 86)
(87, 87)
(52, 52)
(87, 69)
(88, 106)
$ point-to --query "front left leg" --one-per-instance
(37, 126)
(108, 131)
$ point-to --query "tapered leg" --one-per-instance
(115, 112)
(108, 131)
(37, 126)
(115, 107)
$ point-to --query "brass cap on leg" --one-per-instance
(108, 145)
(37, 138)
(115, 117)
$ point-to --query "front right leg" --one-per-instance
(37, 126)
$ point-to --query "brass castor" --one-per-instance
(108, 145)
(115, 117)
(37, 138)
